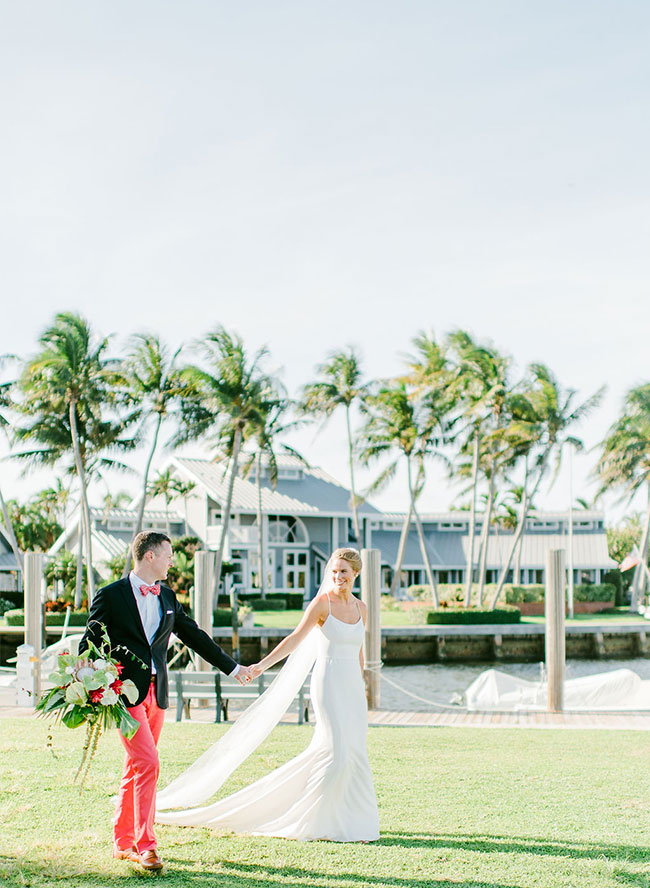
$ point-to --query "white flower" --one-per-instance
(109, 698)
(110, 669)
(130, 691)
(76, 693)
(69, 669)
(85, 672)
(100, 664)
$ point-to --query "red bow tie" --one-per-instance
(155, 590)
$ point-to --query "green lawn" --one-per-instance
(417, 616)
(459, 808)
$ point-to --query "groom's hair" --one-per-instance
(148, 540)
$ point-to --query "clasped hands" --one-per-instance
(247, 673)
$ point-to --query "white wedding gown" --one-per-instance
(326, 792)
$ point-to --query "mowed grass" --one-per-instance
(467, 807)
(393, 616)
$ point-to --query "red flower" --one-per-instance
(97, 695)
(117, 686)
(120, 668)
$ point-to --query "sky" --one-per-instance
(313, 175)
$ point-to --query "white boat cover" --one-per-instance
(619, 690)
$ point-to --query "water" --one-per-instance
(439, 683)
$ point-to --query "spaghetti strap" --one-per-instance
(358, 606)
(329, 603)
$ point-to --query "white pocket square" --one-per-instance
(169, 612)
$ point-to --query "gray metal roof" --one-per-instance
(103, 515)
(463, 515)
(589, 549)
(7, 561)
(314, 492)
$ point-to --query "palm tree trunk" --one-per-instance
(472, 523)
(400, 552)
(226, 510)
(525, 507)
(516, 574)
(260, 518)
(353, 492)
(79, 579)
(84, 500)
(11, 536)
(485, 539)
(639, 573)
(423, 547)
(143, 502)
(167, 521)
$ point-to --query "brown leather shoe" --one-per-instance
(126, 854)
(149, 860)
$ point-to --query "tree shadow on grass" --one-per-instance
(494, 844)
(15, 873)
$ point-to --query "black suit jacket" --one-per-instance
(115, 607)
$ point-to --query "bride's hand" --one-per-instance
(255, 670)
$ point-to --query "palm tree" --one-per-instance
(269, 426)
(483, 384)
(165, 485)
(546, 429)
(624, 464)
(224, 403)
(339, 385)
(5, 402)
(151, 382)
(398, 428)
(183, 490)
(65, 392)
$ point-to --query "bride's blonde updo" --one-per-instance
(351, 556)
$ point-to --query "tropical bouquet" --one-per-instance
(88, 690)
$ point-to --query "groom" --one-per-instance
(140, 614)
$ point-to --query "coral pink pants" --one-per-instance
(136, 801)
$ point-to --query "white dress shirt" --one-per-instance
(150, 609)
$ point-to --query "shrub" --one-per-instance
(616, 579)
(291, 600)
(223, 616)
(5, 606)
(595, 592)
(269, 604)
(16, 617)
(521, 594)
(448, 615)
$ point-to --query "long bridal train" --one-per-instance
(326, 792)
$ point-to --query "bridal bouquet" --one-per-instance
(87, 690)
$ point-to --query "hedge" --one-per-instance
(584, 592)
(77, 618)
(616, 579)
(292, 600)
(455, 615)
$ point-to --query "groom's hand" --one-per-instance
(243, 675)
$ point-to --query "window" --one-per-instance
(452, 525)
(287, 529)
(296, 569)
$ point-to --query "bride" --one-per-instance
(326, 792)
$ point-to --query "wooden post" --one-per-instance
(555, 634)
(34, 613)
(203, 592)
(371, 596)
(230, 589)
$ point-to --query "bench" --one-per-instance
(221, 689)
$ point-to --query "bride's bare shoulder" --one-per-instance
(320, 607)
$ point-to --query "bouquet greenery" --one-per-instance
(88, 690)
